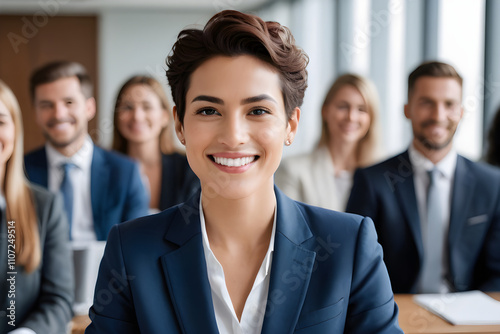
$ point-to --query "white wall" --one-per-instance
(461, 44)
(135, 42)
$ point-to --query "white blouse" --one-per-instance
(252, 317)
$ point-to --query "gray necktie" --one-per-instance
(434, 239)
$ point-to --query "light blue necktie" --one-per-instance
(66, 190)
(434, 239)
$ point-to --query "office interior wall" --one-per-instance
(135, 42)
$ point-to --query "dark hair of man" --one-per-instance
(231, 33)
(432, 69)
(58, 70)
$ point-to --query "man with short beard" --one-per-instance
(100, 188)
(437, 214)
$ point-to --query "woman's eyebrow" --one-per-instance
(248, 100)
(258, 98)
(208, 98)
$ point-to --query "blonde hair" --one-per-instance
(367, 148)
(18, 196)
(120, 143)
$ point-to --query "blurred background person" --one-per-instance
(142, 131)
(100, 188)
(348, 140)
(437, 213)
(493, 154)
(37, 225)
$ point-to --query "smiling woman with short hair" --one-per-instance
(240, 256)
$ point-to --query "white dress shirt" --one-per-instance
(82, 227)
(252, 317)
(446, 175)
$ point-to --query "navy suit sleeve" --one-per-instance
(137, 200)
(53, 308)
(362, 200)
(492, 254)
(371, 308)
(112, 311)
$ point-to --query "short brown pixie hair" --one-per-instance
(432, 69)
(232, 33)
(59, 70)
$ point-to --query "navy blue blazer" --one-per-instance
(327, 275)
(116, 189)
(385, 192)
(178, 181)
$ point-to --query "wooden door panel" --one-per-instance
(28, 42)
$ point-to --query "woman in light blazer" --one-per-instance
(348, 140)
(241, 257)
(36, 268)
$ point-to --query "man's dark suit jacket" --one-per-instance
(116, 189)
(43, 298)
(386, 193)
(327, 275)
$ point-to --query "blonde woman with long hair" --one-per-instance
(34, 250)
(348, 140)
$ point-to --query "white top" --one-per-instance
(446, 175)
(82, 228)
(252, 317)
(343, 185)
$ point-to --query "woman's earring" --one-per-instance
(183, 142)
(288, 142)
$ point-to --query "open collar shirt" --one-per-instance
(252, 317)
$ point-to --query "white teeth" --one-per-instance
(234, 162)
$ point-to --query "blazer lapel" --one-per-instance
(291, 268)
(99, 178)
(463, 186)
(405, 191)
(38, 169)
(186, 274)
